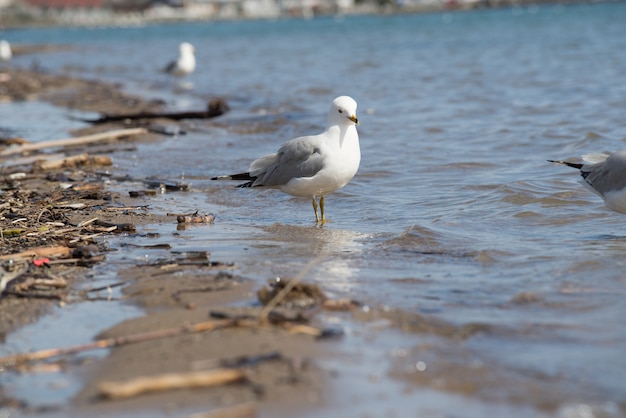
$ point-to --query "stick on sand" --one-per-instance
(114, 342)
(168, 381)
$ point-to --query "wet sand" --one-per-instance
(279, 351)
(70, 209)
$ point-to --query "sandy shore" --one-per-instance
(57, 219)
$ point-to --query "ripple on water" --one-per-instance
(439, 246)
(461, 370)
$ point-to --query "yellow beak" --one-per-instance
(354, 119)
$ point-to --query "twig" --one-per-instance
(110, 286)
(215, 108)
(88, 237)
(58, 251)
(114, 342)
(28, 160)
(74, 161)
(207, 326)
(85, 223)
(41, 213)
(139, 385)
(125, 208)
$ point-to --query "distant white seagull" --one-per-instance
(312, 166)
(605, 175)
(186, 62)
(5, 51)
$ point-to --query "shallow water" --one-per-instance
(454, 213)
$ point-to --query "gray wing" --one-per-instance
(300, 157)
(607, 176)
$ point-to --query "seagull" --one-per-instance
(605, 175)
(5, 51)
(311, 166)
(186, 62)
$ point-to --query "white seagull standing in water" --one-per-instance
(605, 175)
(5, 51)
(186, 62)
(311, 166)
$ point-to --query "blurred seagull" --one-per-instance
(5, 51)
(186, 62)
(605, 175)
(311, 166)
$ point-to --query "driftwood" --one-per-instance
(168, 381)
(21, 161)
(216, 107)
(57, 282)
(58, 251)
(81, 140)
(206, 326)
(114, 342)
(74, 161)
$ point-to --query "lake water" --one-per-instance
(455, 213)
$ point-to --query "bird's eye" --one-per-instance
(340, 111)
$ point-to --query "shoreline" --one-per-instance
(173, 292)
(283, 352)
(24, 175)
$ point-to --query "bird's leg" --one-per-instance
(322, 209)
(317, 218)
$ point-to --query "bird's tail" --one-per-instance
(573, 165)
(238, 177)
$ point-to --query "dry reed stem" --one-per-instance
(114, 342)
(169, 381)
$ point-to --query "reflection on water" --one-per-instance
(337, 253)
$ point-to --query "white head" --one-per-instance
(5, 50)
(186, 48)
(343, 111)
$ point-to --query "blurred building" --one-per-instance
(137, 12)
(63, 4)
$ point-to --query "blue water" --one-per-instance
(454, 211)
